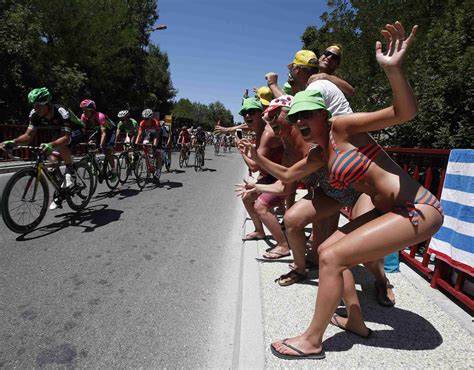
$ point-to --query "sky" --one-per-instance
(217, 49)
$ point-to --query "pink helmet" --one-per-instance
(88, 104)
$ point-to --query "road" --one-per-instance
(139, 279)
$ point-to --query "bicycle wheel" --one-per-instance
(94, 170)
(167, 160)
(197, 160)
(181, 159)
(202, 159)
(80, 194)
(141, 171)
(124, 165)
(186, 159)
(112, 179)
(24, 201)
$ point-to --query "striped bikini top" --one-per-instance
(351, 166)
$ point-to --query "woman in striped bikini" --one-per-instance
(405, 213)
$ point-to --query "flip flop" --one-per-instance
(278, 255)
(294, 276)
(301, 355)
(381, 295)
(245, 239)
(337, 324)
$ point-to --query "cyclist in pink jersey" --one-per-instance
(103, 125)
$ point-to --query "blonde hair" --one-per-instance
(336, 46)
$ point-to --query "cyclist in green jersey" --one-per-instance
(128, 125)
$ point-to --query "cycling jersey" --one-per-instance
(201, 137)
(98, 120)
(184, 137)
(165, 133)
(130, 127)
(64, 120)
(152, 126)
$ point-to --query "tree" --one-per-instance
(439, 66)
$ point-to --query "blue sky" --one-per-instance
(217, 49)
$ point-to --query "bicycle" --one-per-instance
(101, 167)
(199, 158)
(144, 167)
(166, 159)
(25, 197)
(217, 147)
(183, 156)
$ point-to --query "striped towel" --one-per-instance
(454, 241)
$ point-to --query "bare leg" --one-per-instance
(363, 205)
(366, 239)
(301, 214)
(249, 200)
(271, 222)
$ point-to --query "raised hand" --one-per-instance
(248, 149)
(244, 188)
(397, 45)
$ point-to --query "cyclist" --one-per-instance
(149, 130)
(68, 129)
(103, 125)
(200, 139)
(165, 138)
(128, 125)
(184, 139)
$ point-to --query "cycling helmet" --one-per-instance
(199, 128)
(184, 128)
(87, 104)
(123, 114)
(147, 113)
(39, 96)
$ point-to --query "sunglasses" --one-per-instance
(251, 112)
(328, 54)
(304, 114)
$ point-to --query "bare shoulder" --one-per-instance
(270, 138)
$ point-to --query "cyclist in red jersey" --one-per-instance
(149, 129)
(184, 138)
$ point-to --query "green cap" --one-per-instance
(287, 89)
(250, 103)
(39, 96)
(307, 100)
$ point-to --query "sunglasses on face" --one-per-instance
(251, 112)
(304, 114)
(329, 54)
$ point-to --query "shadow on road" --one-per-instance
(95, 216)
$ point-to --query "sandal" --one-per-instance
(309, 265)
(381, 294)
(291, 278)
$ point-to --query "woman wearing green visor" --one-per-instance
(405, 212)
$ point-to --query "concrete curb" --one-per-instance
(249, 354)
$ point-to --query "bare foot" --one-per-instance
(384, 294)
(277, 252)
(256, 235)
(291, 346)
(357, 328)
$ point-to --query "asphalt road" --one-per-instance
(139, 279)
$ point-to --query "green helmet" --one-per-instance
(39, 96)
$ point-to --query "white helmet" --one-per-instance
(147, 113)
(123, 113)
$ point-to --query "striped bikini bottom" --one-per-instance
(425, 198)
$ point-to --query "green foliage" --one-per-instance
(98, 49)
(439, 65)
(195, 114)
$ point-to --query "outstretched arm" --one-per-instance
(404, 102)
(300, 169)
